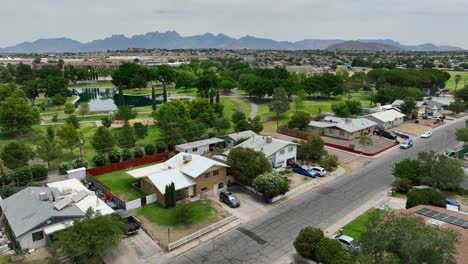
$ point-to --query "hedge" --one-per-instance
(426, 196)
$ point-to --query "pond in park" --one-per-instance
(105, 99)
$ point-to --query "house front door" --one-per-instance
(190, 191)
(215, 189)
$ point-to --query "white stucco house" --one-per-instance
(201, 147)
(387, 119)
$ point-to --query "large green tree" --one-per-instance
(299, 120)
(48, 150)
(125, 137)
(166, 75)
(279, 103)
(313, 149)
(102, 140)
(69, 137)
(16, 154)
(440, 171)
(16, 114)
(246, 164)
(90, 237)
(129, 75)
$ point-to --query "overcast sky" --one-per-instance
(407, 21)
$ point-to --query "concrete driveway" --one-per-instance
(251, 205)
(133, 249)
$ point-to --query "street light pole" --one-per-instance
(81, 150)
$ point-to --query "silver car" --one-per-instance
(322, 171)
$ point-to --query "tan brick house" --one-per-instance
(191, 174)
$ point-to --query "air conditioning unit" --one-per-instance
(43, 196)
(187, 158)
(269, 139)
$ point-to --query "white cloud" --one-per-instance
(409, 22)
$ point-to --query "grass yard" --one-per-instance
(167, 216)
(359, 226)
(451, 82)
(232, 105)
(120, 184)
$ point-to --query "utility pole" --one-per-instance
(81, 149)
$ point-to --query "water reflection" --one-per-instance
(101, 99)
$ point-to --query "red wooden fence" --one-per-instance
(127, 164)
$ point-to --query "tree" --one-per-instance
(341, 109)
(427, 196)
(246, 164)
(126, 136)
(106, 121)
(16, 114)
(102, 140)
(23, 73)
(16, 154)
(73, 120)
(240, 121)
(129, 75)
(407, 169)
(222, 124)
(227, 84)
(169, 195)
(48, 150)
(329, 250)
(185, 79)
(141, 131)
(271, 184)
(166, 75)
(457, 79)
(408, 107)
(255, 124)
(83, 109)
(329, 162)
(457, 106)
(331, 85)
(279, 103)
(299, 120)
(31, 89)
(313, 84)
(5, 75)
(312, 149)
(207, 82)
(397, 237)
(440, 171)
(462, 135)
(91, 236)
(307, 240)
(354, 106)
(69, 108)
(68, 137)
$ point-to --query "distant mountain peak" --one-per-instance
(173, 40)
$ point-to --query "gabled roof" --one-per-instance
(259, 143)
(25, 211)
(200, 143)
(241, 135)
(388, 116)
(161, 179)
(349, 125)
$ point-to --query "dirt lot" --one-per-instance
(160, 232)
(378, 143)
(412, 128)
(296, 180)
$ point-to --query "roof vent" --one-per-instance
(67, 191)
(269, 139)
(187, 158)
(43, 196)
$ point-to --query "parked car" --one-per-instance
(385, 134)
(428, 134)
(407, 144)
(306, 172)
(346, 242)
(321, 171)
(229, 198)
(133, 225)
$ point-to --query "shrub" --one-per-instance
(150, 149)
(22, 176)
(127, 154)
(39, 172)
(329, 162)
(365, 140)
(33, 184)
(100, 159)
(161, 147)
(7, 191)
(79, 163)
(106, 122)
(330, 251)
(69, 108)
(271, 184)
(63, 167)
(402, 185)
(54, 117)
(306, 242)
(59, 99)
(427, 196)
(138, 152)
(114, 156)
(171, 154)
(352, 146)
(407, 169)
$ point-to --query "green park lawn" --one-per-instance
(200, 211)
(232, 105)
(359, 226)
(451, 82)
(120, 183)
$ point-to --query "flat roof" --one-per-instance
(200, 143)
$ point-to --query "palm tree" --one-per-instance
(457, 79)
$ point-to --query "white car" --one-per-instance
(428, 134)
(322, 171)
(346, 242)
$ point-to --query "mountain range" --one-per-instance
(173, 40)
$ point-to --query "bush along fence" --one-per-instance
(200, 233)
(105, 190)
(303, 135)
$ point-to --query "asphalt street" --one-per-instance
(271, 236)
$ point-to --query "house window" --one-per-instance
(207, 175)
(290, 149)
(37, 236)
(282, 152)
(331, 131)
(204, 189)
(341, 133)
(280, 163)
(221, 185)
(215, 173)
(194, 149)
